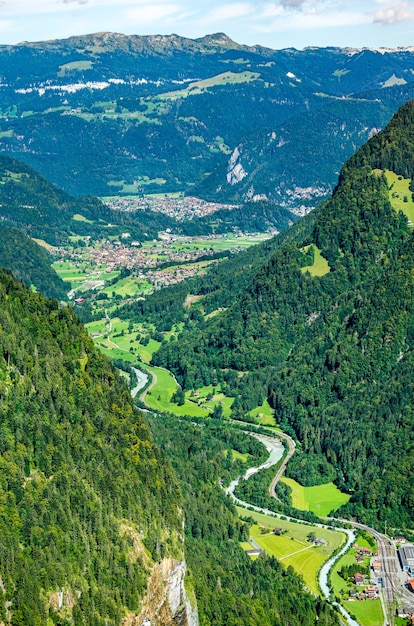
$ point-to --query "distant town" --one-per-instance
(180, 208)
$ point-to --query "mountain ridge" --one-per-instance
(331, 350)
(129, 98)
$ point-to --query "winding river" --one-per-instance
(276, 451)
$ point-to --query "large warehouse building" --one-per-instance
(406, 556)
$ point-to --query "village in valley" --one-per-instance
(103, 275)
(91, 265)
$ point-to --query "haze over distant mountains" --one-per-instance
(102, 114)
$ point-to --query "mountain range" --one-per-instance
(96, 525)
(243, 123)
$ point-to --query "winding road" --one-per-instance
(274, 446)
(276, 450)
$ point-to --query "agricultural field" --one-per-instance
(217, 243)
(208, 396)
(159, 394)
(320, 499)
(366, 612)
(292, 547)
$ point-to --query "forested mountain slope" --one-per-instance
(101, 114)
(88, 502)
(29, 262)
(297, 163)
(231, 587)
(325, 330)
(31, 203)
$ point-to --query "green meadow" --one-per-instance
(207, 397)
(292, 547)
(401, 196)
(264, 414)
(240, 456)
(69, 272)
(367, 612)
(158, 397)
(320, 265)
(320, 499)
(201, 86)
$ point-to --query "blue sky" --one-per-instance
(275, 24)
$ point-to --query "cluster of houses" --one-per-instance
(361, 553)
(178, 208)
(370, 592)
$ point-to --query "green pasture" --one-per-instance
(99, 326)
(307, 563)
(225, 78)
(112, 352)
(292, 547)
(128, 286)
(124, 345)
(69, 272)
(320, 499)
(367, 612)
(207, 397)
(81, 218)
(394, 80)
(44, 244)
(159, 396)
(320, 265)
(146, 352)
(124, 187)
(74, 66)
(239, 456)
(337, 583)
(264, 414)
(399, 189)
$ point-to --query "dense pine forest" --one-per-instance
(232, 589)
(89, 502)
(82, 483)
(30, 263)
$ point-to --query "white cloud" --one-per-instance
(228, 12)
(146, 13)
(313, 21)
(394, 14)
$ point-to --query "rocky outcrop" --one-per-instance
(235, 170)
(166, 602)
